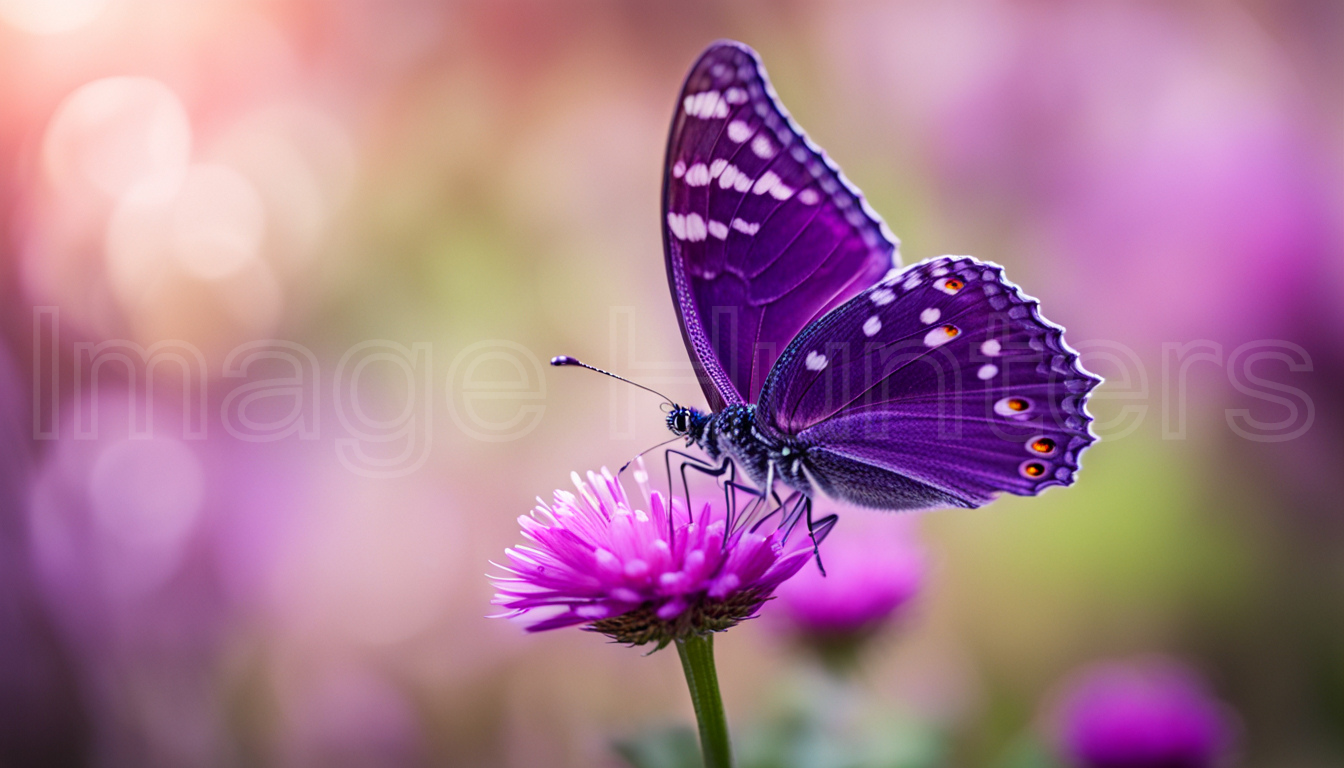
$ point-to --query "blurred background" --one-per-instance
(278, 279)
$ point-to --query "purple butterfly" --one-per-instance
(828, 367)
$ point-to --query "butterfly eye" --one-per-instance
(1033, 469)
(1043, 445)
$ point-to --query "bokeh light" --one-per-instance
(50, 17)
(116, 134)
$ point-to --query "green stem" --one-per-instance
(697, 659)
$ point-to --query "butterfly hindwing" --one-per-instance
(945, 375)
(762, 233)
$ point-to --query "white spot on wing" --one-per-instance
(697, 175)
(912, 283)
(987, 371)
(677, 223)
(718, 229)
(991, 348)
(815, 361)
(706, 105)
(808, 197)
(695, 227)
(732, 177)
(939, 272)
(941, 284)
(1003, 409)
(882, 296)
(746, 227)
(766, 183)
(930, 315)
(762, 147)
(735, 95)
(739, 131)
(940, 335)
(679, 170)
(717, 167)
(871, 326)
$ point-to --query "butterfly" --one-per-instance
(827, 366)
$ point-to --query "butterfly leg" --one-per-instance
(788, 520)
(818, 530)
(731, 486)
(757, 498)
(794, 513)
(760, 500)
(694, 462)
(780, 504)
(760, 497)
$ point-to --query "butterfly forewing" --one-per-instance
(763, 234)
(945, 374)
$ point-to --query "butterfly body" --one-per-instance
(732, 434)
(828, 367)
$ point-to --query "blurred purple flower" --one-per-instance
(640, 576)
(871, 574)
(118, 526)
(1149, 714)
(38, 695)
(1120, 147)
(348, 716)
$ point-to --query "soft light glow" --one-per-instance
(253, 298)
(50, 17)
(211, 228)
(114, 514)
(147, 494)
(217, 222)
(135, 246)
(301, 162)
(117, 134)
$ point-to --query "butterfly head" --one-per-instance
(685, 422)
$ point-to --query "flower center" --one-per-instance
(642, 625)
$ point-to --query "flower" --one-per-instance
(870, 575)
(1147, 714)
(636, 576)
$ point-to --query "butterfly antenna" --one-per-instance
(627, 464)
(567, 360)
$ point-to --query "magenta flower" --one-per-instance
(593, 559)
(872, 574)
(1151, 714)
